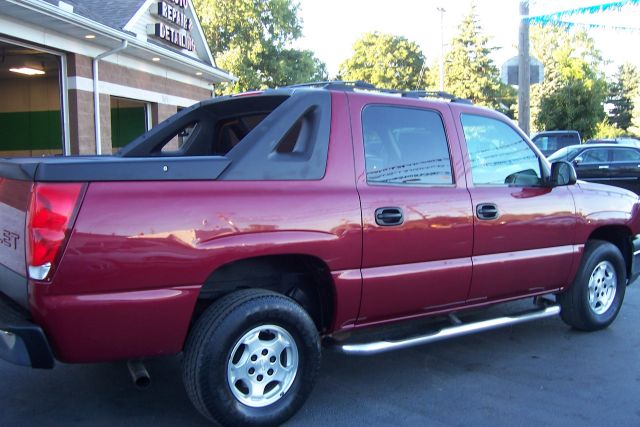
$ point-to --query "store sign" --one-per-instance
(170, 13)
(175, 15)
(174, 36)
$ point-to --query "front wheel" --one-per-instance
(596, 295)
(251, 359)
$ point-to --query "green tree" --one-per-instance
(623, 90)
(575, 105)
(605, 130)
(469, 70)
(573, 91)
(251, 39)
(635, 122)
(386, 61)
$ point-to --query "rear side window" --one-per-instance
(626, 155)
(405, 146)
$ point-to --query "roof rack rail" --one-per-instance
(338, 85)
(350, 86)
(435, 94)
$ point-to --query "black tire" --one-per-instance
(224, 325)
(576, 308)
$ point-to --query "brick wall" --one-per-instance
(105, 123)
(81, 111)
(114, 73)
(81, 128)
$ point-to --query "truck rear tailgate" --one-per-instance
(14, 202)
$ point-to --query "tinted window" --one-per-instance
(626, 156)
(180, 139)
(549, 144)
(565, 154)
(498, 154)
(595, 156)
(231, 131)
(405, 146)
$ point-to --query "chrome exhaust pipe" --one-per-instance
(139, 373)
(457, 330)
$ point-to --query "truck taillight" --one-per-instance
(49, 221)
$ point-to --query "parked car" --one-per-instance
(612, 164)
(247, 230)
(551, 141)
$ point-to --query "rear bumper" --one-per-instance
(635, 258)
(21, 341)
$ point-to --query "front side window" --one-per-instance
(498, 154)
(595, 156)
(405, 146)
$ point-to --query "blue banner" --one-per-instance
(559, 18)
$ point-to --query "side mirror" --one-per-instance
(577, 160)
(562, 173)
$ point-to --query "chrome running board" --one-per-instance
(366, 349)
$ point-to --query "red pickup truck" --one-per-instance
(246, 229)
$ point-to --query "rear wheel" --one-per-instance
(251, 358)
(596, 295)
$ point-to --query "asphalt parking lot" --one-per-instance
(540, 373)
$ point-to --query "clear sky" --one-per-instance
(330, 27)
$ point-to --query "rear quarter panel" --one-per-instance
(140, 251)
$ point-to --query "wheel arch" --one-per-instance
(619, 236)
(302, 277)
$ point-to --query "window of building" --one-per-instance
(405, 146)
(498, 154)
(31, 108)
(128, 121)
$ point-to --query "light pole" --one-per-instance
(442, 11)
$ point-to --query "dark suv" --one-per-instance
(551, 141)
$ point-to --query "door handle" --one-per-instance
(603, 167)
(487, 211)
(389, 216)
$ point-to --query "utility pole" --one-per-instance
(524, 69)
(442, 11)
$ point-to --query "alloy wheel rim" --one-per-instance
(602, 287)
(262, 365)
